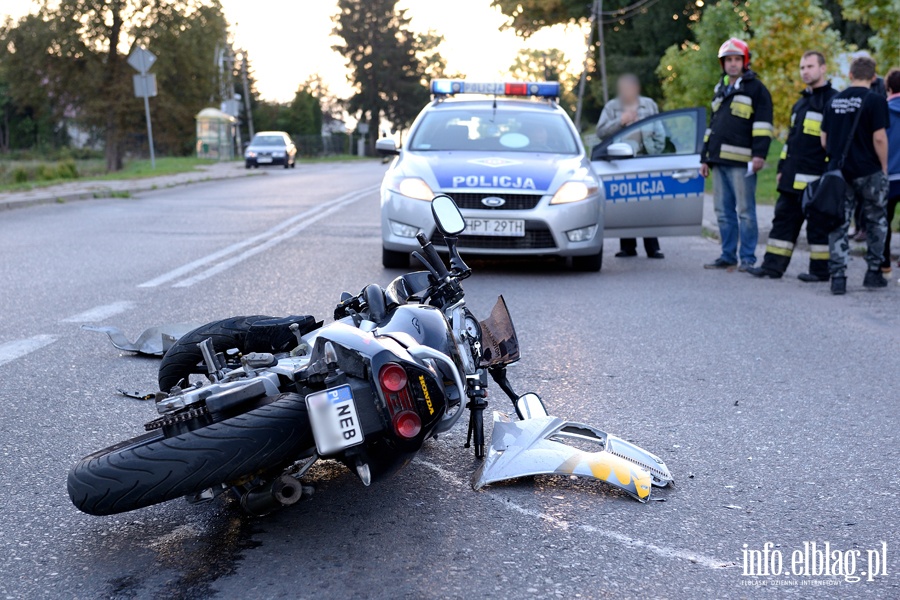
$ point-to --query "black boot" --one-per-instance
(874, 280)
(812, 277)
(839, 285)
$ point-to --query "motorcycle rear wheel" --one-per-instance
(150, 469)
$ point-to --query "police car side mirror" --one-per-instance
(386, 147)
(620, 150)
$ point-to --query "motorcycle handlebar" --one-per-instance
(432, 255)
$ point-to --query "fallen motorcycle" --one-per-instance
(249, 404)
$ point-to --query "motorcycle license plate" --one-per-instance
(264, 159)
(495, 227)
(335, 423)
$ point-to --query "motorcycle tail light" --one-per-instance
(407, 424)
(394, 385)
(393, 377)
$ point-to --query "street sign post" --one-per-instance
(141, 60)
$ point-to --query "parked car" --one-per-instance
(270, 148)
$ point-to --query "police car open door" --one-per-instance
(651, 174)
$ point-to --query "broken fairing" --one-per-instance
(152, 342)
(547, 445)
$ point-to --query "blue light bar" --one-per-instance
(540, 89)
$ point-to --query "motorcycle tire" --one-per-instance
(149, 469)
(182, 358)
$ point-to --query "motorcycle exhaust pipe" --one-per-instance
(283, 491)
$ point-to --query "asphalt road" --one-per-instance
(773, 403)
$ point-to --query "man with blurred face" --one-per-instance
(627, 108)
(802, 162)
(734, 151)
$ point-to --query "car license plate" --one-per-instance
(264, 159)
(335, 423)
(495, 227)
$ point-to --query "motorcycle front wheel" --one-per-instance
(150, 469)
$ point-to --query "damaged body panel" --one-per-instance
(546, 445)
(152, 342)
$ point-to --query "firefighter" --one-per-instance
(802, 161)
(734, 151)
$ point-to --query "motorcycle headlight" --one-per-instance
(412, 187)
(574, 191)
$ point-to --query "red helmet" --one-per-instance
(735, 47)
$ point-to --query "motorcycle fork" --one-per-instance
(477, 392)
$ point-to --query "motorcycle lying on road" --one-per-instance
(397, 366)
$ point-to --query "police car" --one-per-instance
(515, 164)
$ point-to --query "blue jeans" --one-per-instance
(734, 197)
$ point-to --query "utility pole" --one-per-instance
(246, 93)
(584, 68)
(598, 8)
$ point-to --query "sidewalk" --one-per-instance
(87, 189)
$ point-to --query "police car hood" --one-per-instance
(515, 171)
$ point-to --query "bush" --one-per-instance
(67, 170)
(19, 175)
(45, 172)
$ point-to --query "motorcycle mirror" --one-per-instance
(447, 217)
(530, 406)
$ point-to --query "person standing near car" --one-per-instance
(892, 81)
(626, 108)
(734, 151)
(802, 162)
(865, 169)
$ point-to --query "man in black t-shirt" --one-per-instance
(865, 170)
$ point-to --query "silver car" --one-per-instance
(519, 172)
(517, 169)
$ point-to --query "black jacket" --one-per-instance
(803, 158)
(741, 123)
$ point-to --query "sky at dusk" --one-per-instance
(289, 40)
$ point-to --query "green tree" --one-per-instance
(778, 35)
(781, 34)
(635, 39)
(73, 55)
(384, 56)
(883, 17)
(690, 70)
(547, 65)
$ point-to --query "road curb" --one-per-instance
(109, 192)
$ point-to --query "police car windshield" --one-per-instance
(486, 130)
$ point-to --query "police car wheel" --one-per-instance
(591, 263)
(391, 259)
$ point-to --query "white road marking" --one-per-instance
(100, 313)
(18, 348)
(227, 264)
(205, 260)
(709, 562)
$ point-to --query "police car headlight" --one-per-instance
(250, 154)
(412, 187)
(573, 191)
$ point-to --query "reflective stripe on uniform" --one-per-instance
(812, 124)
(819, 252)
(780, 247)
(737, 153)
(742, 106)
(783, 152)
(801, 180)
(706, 134)
(762, 129)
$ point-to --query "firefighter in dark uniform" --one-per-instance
(802, 161)
(734, 151)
